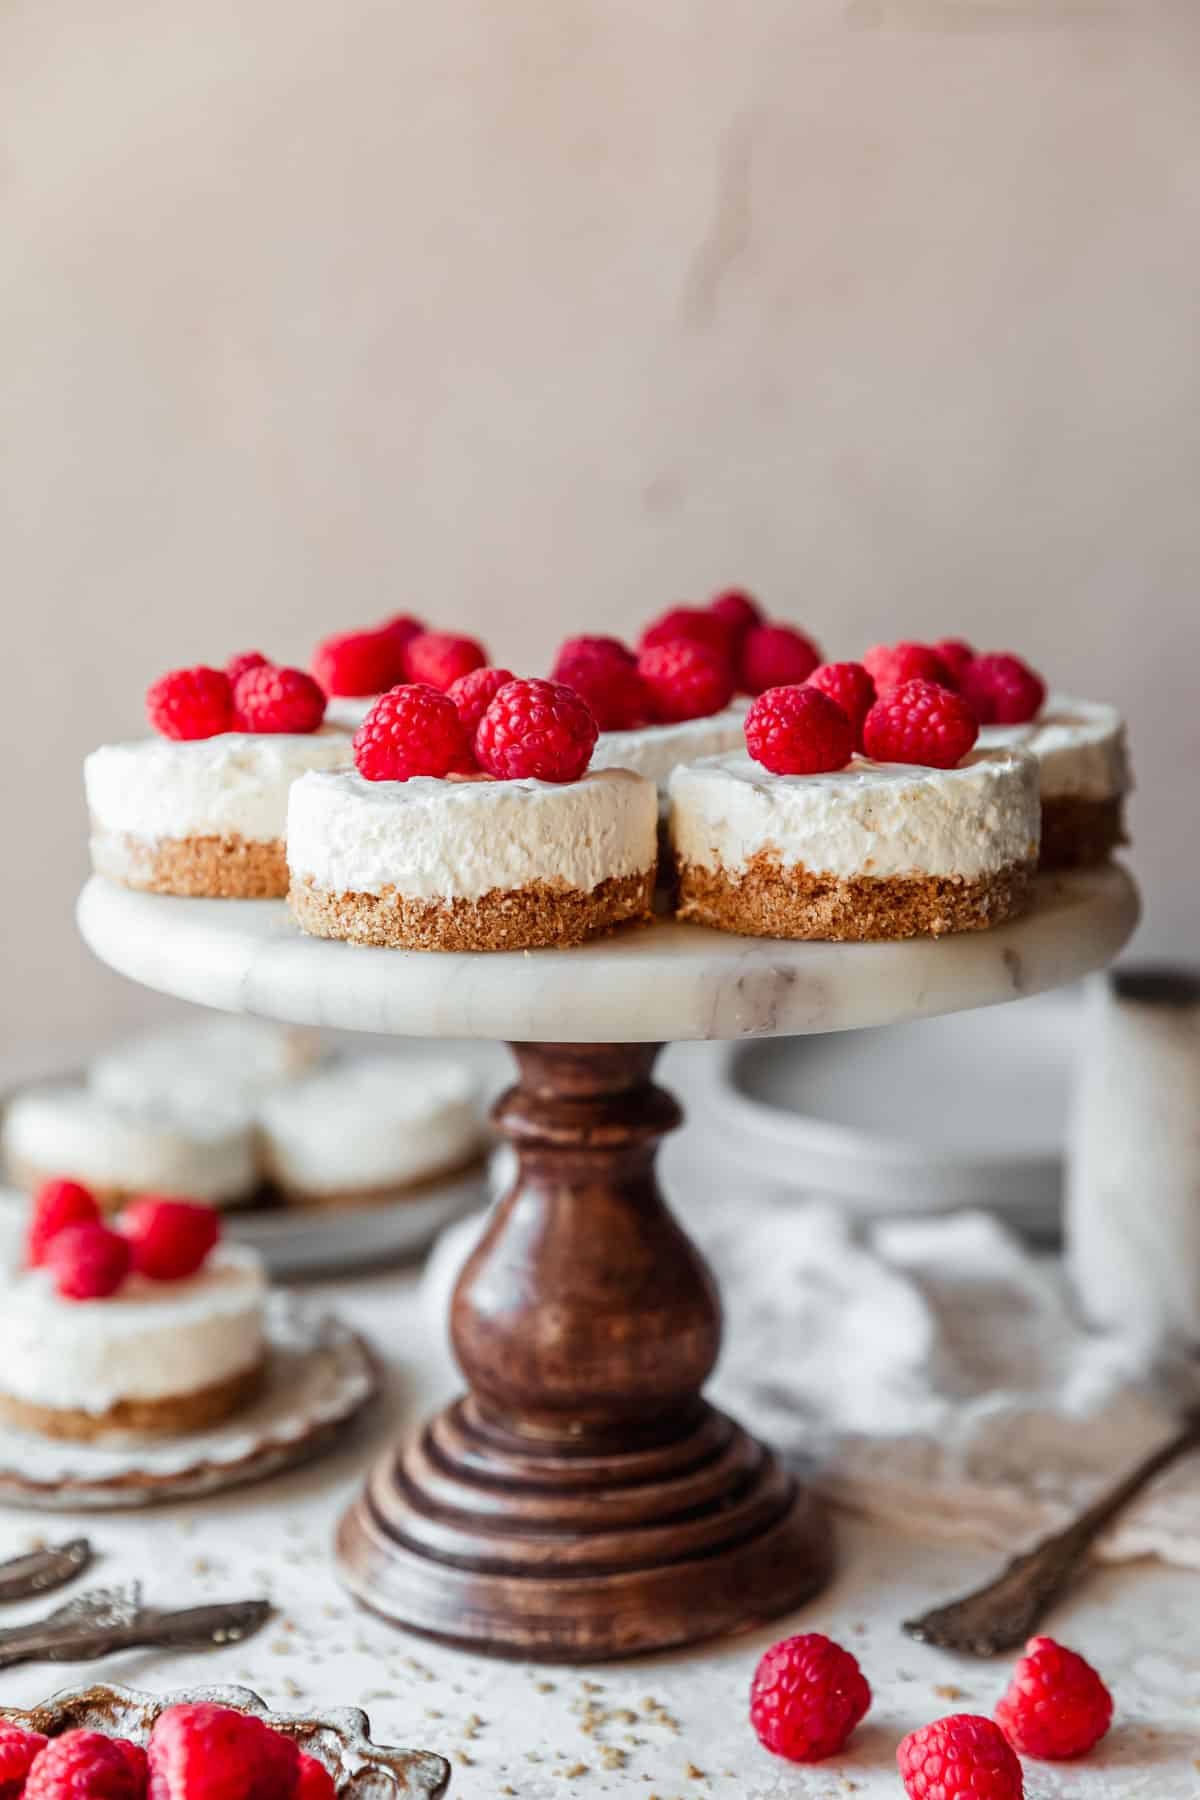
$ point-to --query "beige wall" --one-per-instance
(536, 314)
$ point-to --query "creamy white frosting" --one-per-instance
(232, 785)
(654, 750)
(203, 1152)
(151, 1340)
(203, 1066)
(1080, 747)
(445, 840)
(347, 711)
(371, 1122)
(879, 819)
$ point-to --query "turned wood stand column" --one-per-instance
(583, 1501)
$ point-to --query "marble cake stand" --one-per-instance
(583, 1500)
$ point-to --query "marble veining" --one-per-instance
(660, 982)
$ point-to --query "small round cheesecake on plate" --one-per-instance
(1084, 775)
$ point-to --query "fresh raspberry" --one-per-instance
(169, 1239)
(1004, 690)
(315, 1783)
(798, 731)
(920, 722)
(891, 665)
(957, 655)
(849, 686)
(685, 680)
(191, 703)
(1056, 1706)
(775, 656)
(18, 1748)
(472, 694)
(538, 730)
(139, 1764)
(89, 1262)
(247, 659)
(207, 1752)
(692, 624)
(81, 1765)
(272, 699)
(414, 730)
(807, 1696)
(359, 662)
(403, 627)
(963, 1757)
(607, 679)
(440, 657)
(740, 611)
(56, 1205)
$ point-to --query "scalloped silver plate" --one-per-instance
(340, 1738)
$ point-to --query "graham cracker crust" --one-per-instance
(527, 918)
(173, 1416)
(423, 1188)
(213, 868)
(1078, 834)
(767, 900)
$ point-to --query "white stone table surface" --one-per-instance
(664, 982)
(561, 1734)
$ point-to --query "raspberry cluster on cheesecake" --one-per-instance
(464, 832)
(155, 1329)
(802, 836)
(201, 808)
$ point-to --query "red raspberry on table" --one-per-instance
(920, 722)
(359, 662)
(315, 1783)
(891, 665)
(685, 679)
(775, 656)
(740, 611)
(536, 729)
(614, 691)
(18, 1748)
(963, 1757)
(798, 731)
(440, 657)
(139, 1764)
(169, 1239)
(957, 655)
(849, 686)
(81, 1765)
(246, 659)
(191, 703)
(1056, 1705)
(270, 699)
(207, 1752)
(807, 1696)
(693, 624)
(414, 730)
(56, 1205)
(472, 694)
(88, 1262)
(1003, 690)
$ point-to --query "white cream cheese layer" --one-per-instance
(371, 1122)
(200, 1152)
(210, 1064)
(877, 819)
(151, 1340)
(1080, 747)
(446, 840)
(232, 785)
(347, 711)
(654, 750)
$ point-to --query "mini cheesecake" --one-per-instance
(1083, 767)
(205, 816)
(471, 864)
(171, 1145)
(371, 1129)
(874, 850)
(210, 1064)
(154, 1359)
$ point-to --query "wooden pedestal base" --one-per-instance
(583, 1501)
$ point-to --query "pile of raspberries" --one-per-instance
(162, 1239)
